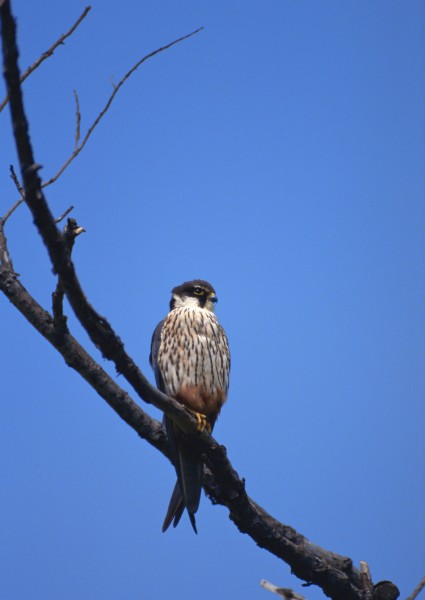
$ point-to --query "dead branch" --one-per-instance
(105, 109)
(21, 191)
(65, 214)
(286, 593)
(77, 120)
(417, 590)
(366, 580)
(71, 231)
(48, 52)
(78, 146)
(333, 573)
(16, 181)
(76, 356)
(221, 482)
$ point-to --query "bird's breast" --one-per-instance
(193, 356)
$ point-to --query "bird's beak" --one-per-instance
(212, 297)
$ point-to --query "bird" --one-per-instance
(190, 358)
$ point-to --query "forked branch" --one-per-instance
(116, 89)
(79, 143)
(49, 52)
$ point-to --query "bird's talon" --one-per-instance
(202, 423)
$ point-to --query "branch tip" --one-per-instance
(285, 593)
(77, 120)
(365, 578)
(65, 214)
(80, 145)
(417, 590)
(49, 52)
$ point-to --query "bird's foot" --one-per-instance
(202, 423)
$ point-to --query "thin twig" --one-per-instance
(16, 181)
(285, 593)
(116, 89)
(20, 189)
(65, 214)
(417, 590)
(48, 52)
(79, 146)
(12, 209)
(77, 120)
(26, 74)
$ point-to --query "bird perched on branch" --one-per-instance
(191, 361)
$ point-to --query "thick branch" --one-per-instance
(71, 231)
(224, 486)
(78, 359)
(96, 326)
(333, 573)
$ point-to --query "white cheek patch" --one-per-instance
(185, 302)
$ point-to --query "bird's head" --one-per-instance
(195, 294)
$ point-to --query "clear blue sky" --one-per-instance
(280, 155)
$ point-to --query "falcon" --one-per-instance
(191, 361)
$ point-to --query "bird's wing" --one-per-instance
(188, 469)
(153, 356)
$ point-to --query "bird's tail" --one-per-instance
(175, 510)
(187, 491)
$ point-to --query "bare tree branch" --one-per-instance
(417, 590)
(286, 593)
(16, 181)
(333, 573)
(76, 356)
(116, 88)
(221, 482)
(366, 580)
(49, 52)
(20, 189)
(65, 214)
(77, 120)
(71, 231)
(78, 146)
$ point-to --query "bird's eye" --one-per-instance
(198, 291)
